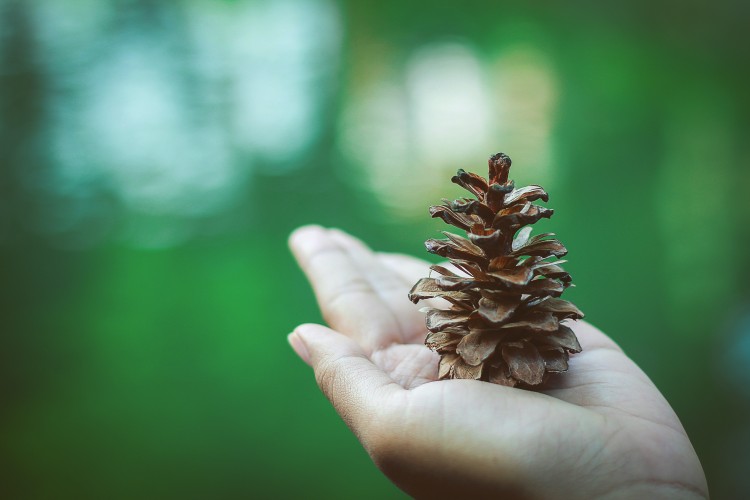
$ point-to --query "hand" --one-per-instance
(600, 430)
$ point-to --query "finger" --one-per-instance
(358, 389)
(346, 297)
(391, 288)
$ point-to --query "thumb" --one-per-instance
(356, 387)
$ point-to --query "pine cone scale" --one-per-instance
(497, 312)
(525, 363)
(476, 347)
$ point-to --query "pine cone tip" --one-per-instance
(499, 164)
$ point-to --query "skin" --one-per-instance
(600, 430)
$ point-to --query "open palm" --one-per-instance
(600, 430)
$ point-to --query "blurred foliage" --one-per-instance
(156, 155)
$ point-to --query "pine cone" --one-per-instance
(504, 324)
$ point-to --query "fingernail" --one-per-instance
(299, 346)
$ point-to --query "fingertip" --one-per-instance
(304, 233)
(309, 330)
(314, 335)
(299, 347)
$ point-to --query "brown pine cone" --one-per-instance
(505, 320)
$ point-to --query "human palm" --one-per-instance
(600, 430)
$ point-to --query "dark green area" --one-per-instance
(132, 372)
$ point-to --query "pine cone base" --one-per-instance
(506, 322)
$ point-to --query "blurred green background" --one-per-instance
(156, 154)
